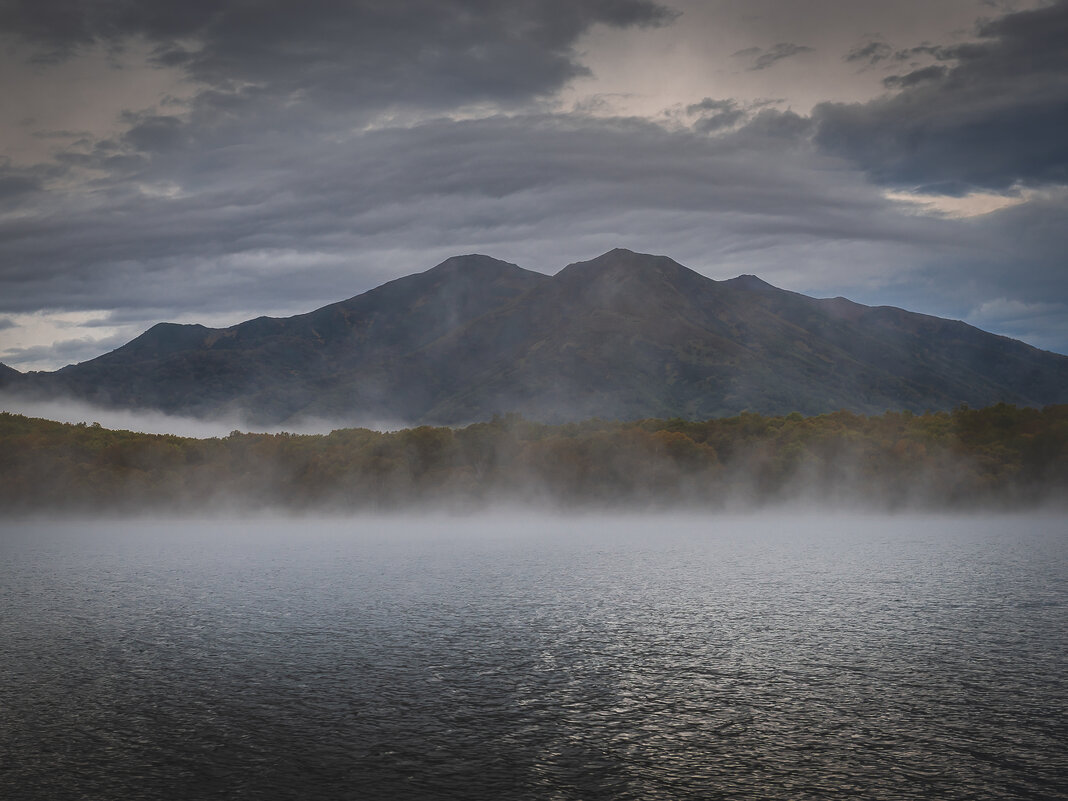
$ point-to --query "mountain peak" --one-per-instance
(474, 264)
(8, 374)
(159, 341)
(621, 263)
(749, 282)
(624, 335)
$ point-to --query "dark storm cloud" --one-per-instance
(715, 115)
(711, 104)
(915, 77)
(352, 54)
(994, 119)
(14, 184)
(20, 184)
(712, 116)
(155, 133)
(776, 128)
(924, 51)
(717, 122)
(871, 52)
(759, 59)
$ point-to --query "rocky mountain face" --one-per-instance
(625, 335)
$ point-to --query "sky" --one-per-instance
(212, 161)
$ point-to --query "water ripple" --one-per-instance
(643, 659)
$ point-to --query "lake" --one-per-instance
(519, 656)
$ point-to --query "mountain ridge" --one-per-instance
(624, 335)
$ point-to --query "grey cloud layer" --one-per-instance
(991, 116)
(331, 218)
(365, 53)
(440, 184)
(67, 351)
(269, 190)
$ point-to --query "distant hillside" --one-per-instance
(624, 336)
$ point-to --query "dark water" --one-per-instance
(644, 658)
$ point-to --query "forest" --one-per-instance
(1001, 456)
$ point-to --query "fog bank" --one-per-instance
(1001, 457)
(64, 410)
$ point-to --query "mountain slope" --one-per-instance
(627, 335)
(624, 335)
(342, 357)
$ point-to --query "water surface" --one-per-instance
(520, 657)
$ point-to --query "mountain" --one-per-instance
(8, 375)
(625, 335)
(347, 359)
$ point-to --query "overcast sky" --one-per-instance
(210, 161)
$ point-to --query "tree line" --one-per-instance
(1001, 456)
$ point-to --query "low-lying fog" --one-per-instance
(1001, 457)
(798, 524)
(149, 422)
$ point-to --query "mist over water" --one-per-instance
(522, 656)
(151, 422)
